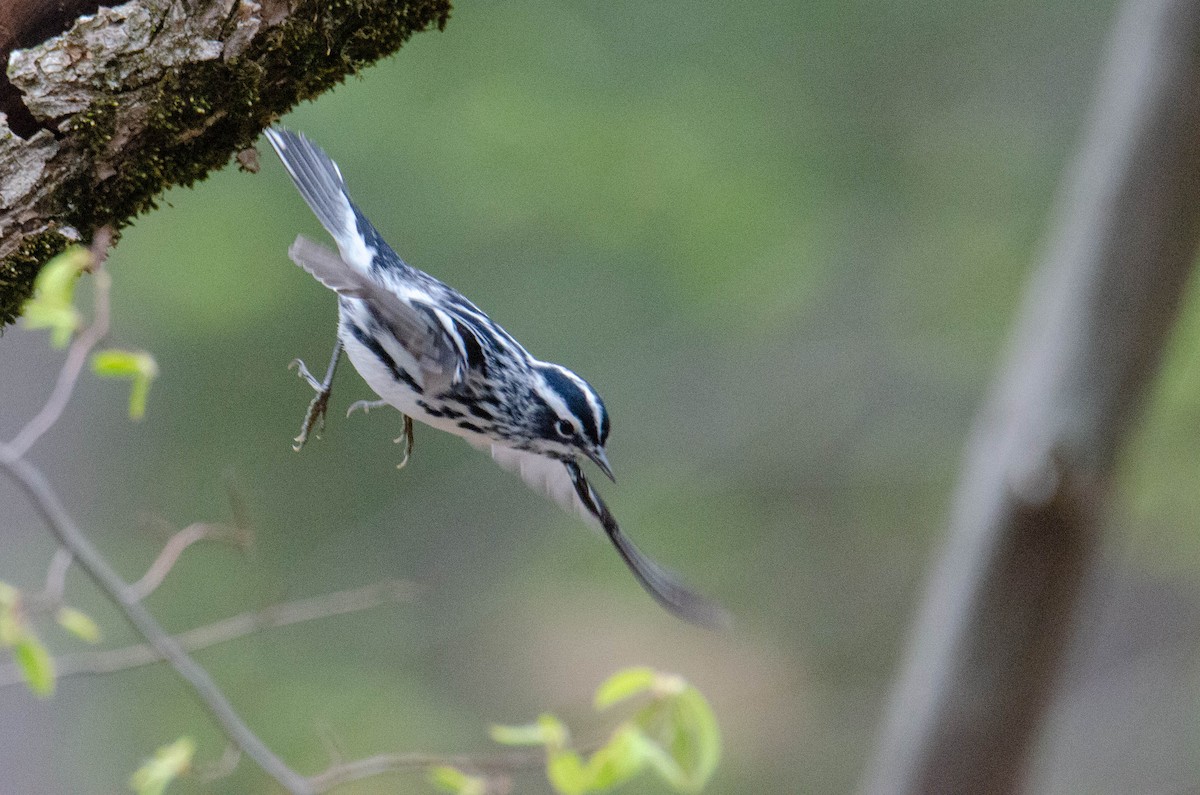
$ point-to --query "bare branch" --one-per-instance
(74, 546)
(47, 503)
(488, 764)
(51, 596)
(231, 757)
(71, 538)
(169, 556)
(325, 606)
(78, 353)
(56, 577)
(101, 245)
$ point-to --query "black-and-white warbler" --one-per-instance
(433, 355)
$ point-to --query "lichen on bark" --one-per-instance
(154, 93)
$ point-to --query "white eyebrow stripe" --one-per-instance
(597, 409)
(592, 398)
(552, 398)
(560, 407)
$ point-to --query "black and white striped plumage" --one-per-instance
(433, 355)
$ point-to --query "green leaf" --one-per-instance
(675, 735)
(620, 759)
(56, 280)
(12, 627)
(35, 662)
(168, 763)
(684, 726)
(666, 685)
(661, 762)
(78, 623)
(138, 366)
(63, 321)
(451, 779)
(567, 773)
(626, 683)
(52, 304)
(548, 731)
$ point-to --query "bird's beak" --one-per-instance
(601, 460)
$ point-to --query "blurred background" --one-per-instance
(784, 240)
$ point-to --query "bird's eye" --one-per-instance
(564, 428)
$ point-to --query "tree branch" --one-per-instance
(506, 762)
(75, 547)
(147, 94)
(169, 556)
(239, 626)
(46, 502)
(78, 353)
(1040, 461)
(56, 577)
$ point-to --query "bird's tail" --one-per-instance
(320, 182)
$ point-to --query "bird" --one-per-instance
(437, 358)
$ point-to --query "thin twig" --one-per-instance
(76, 356)
(325, 606)
(102, 243)
(231, 757)
(75, 546)
(71, 537)
(333, 748)
(169, 556)
(56, 576)
(51, 597)
(505, 762)
(46, 501)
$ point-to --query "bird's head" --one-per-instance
(571, 419)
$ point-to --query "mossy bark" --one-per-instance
(154, 93)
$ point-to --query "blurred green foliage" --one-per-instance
(785, 241)
(17, 635)
(28, 651)
(451, 779)
(52, 305)
(674, 736)
(168, 763)
(137, 367)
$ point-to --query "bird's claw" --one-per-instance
(302, 370)
(365, 406)
(313, 418)
(407, 438)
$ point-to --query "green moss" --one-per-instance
(203, 113)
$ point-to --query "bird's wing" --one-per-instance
(565, 484)
(443, 335)
(546, 476)
(409, 323)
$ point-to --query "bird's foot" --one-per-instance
(314, 418)
(407, 438)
